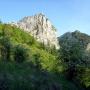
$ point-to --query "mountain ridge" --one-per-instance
(76, 36)
(41, 28)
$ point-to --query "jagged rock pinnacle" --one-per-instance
(41, 28)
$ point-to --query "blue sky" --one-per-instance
(66, 15)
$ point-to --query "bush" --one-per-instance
(5, 48)
(5, 44)
(37, 60)
(20, 54)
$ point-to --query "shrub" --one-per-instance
(5, 48)
(5, 44)
(20, 54)
(37, 60)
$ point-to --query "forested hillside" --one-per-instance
(75, 54)
(26, 64)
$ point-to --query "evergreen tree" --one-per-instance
(72, 57)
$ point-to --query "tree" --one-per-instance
(72, 57)
(5, 45)
(20, 54)
(5, 49)
(37, 61)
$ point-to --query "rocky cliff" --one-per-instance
(41, 28)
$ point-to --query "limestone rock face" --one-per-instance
(88, 47)
(41, 28)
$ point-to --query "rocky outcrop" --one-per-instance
(88, 47)
(41, 28)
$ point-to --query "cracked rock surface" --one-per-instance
(41, 28)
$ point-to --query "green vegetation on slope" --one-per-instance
(18, 39)
(75, 57)
(26, 64)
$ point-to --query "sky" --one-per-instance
(65, 15)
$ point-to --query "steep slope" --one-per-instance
(41, 28)
(20, 37)
(75, 51)
(36, 73)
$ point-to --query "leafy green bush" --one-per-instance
(20, 54)
(5, 48)
(37, 61)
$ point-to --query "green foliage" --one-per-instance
(20, 54)
(37, 61)
(53, 28)
(41, 69)
(23, 76)
(86, 77)
(72, 59)
(5, 45)
(17, 37)
(83, 39)
(5, 49)
(75, 59)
